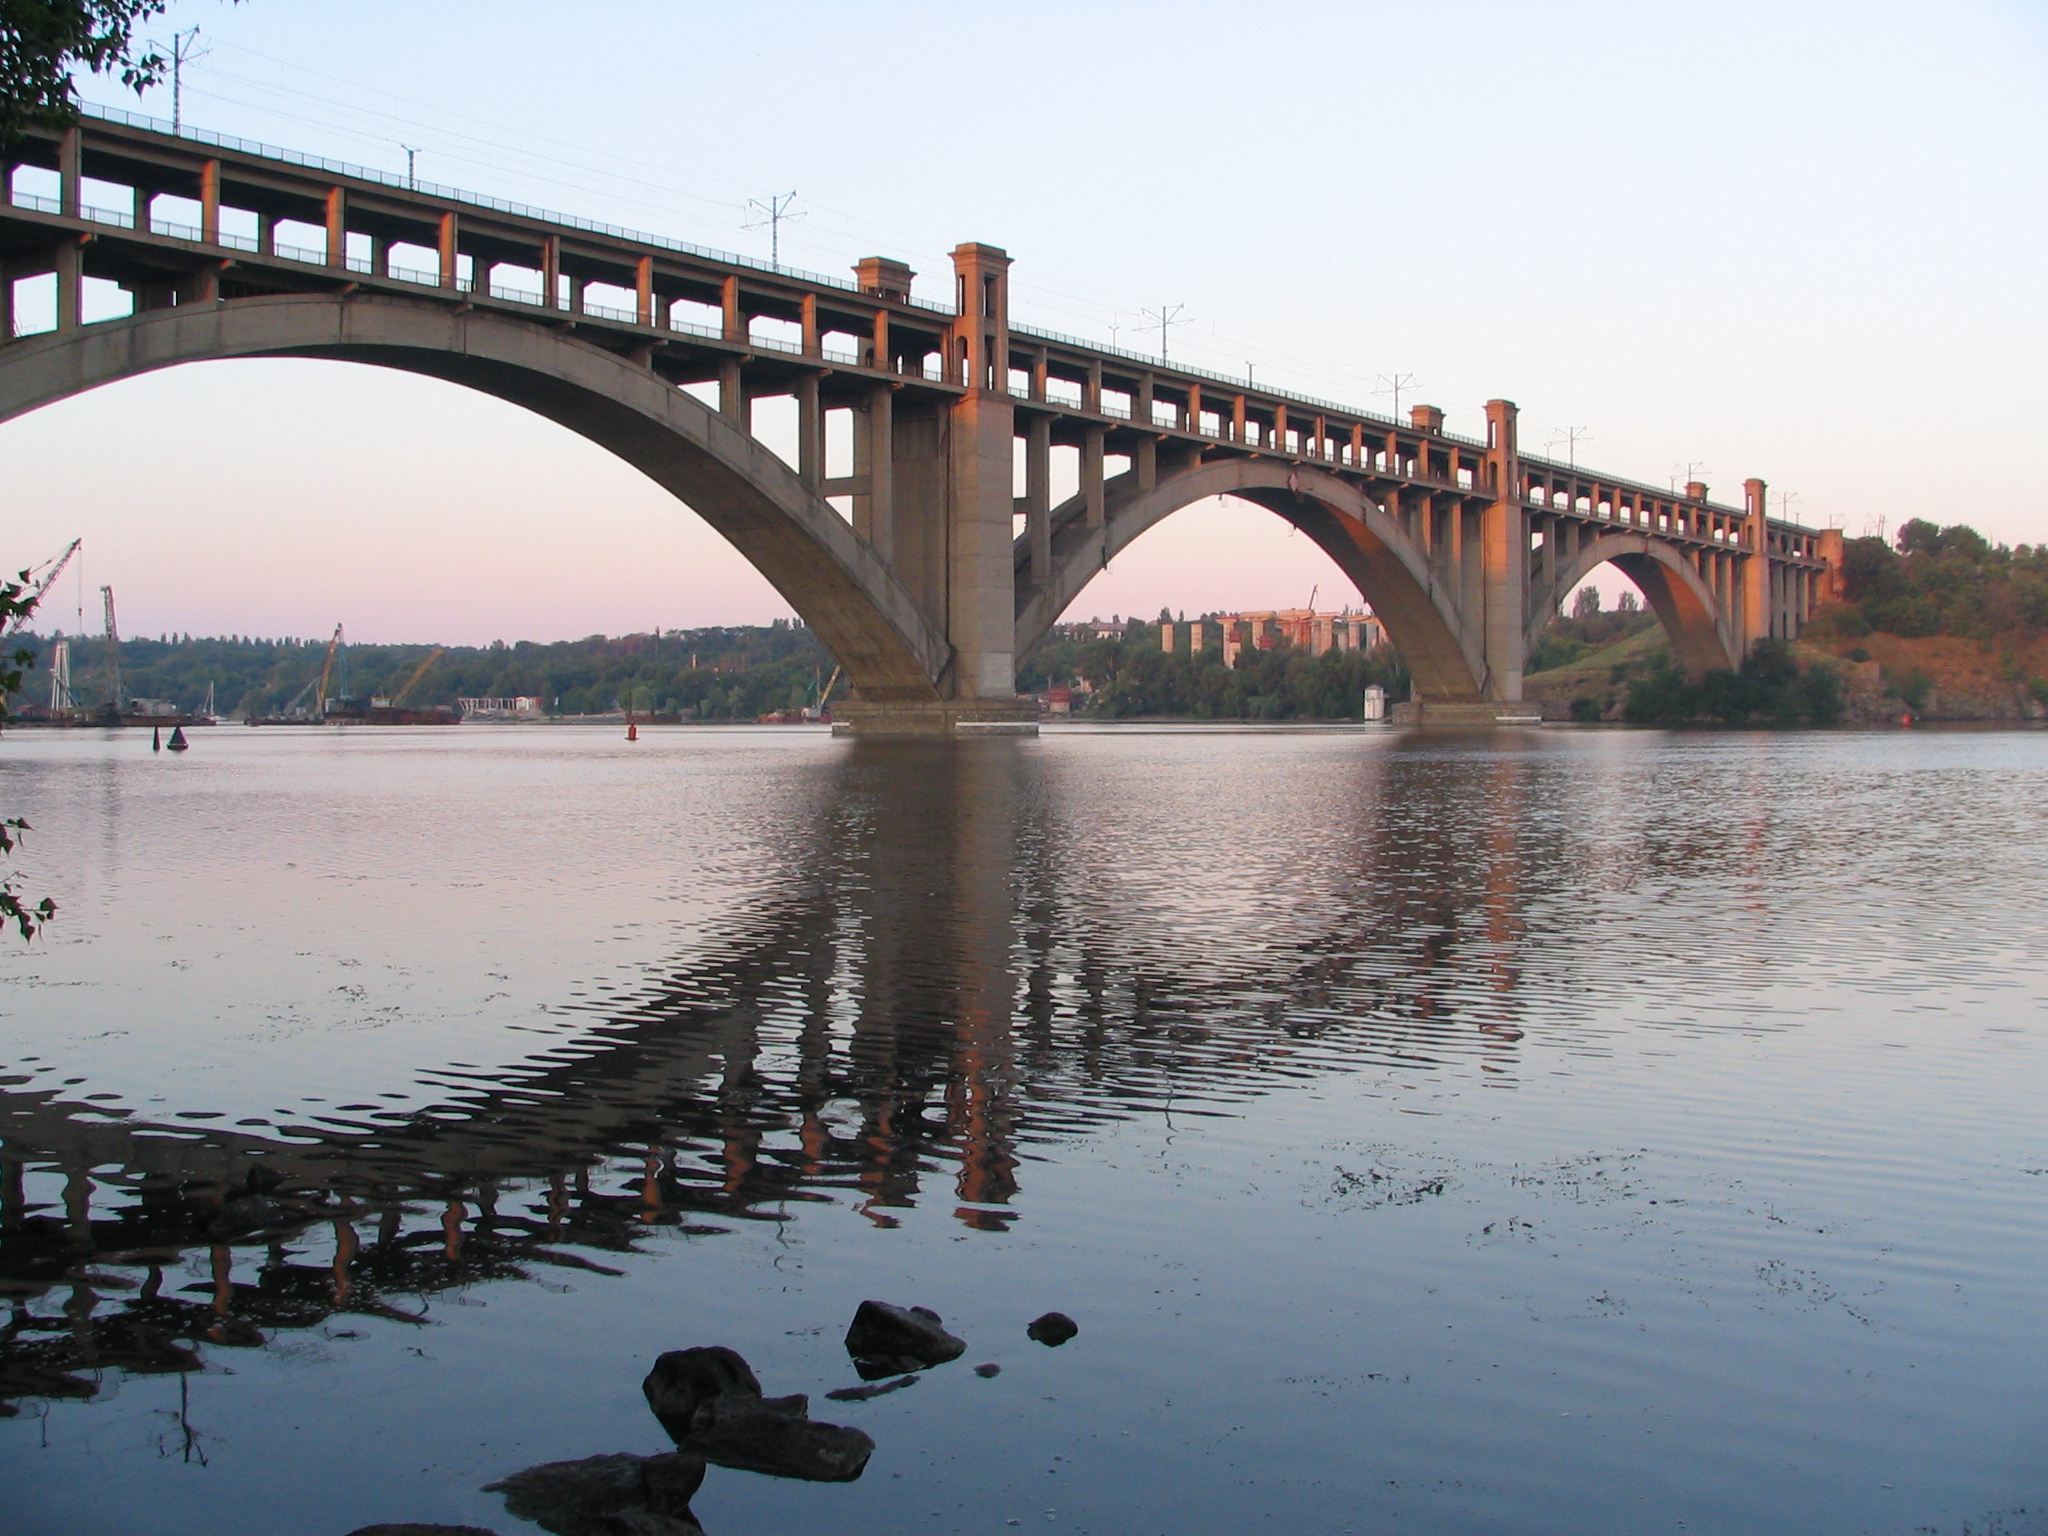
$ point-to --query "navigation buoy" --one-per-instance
(178, 743)
(156, 738)
(632, 731)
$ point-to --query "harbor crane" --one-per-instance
(35, 582)
(326, 675)
(113, 652)
(419, 672)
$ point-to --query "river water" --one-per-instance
(1560, 1131)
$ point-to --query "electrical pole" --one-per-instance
(1569, 436)
(411, 181)
(773, 214)
(1164, 316)
(1393, 384)
(184, 49)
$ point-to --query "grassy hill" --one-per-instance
(1603, 674)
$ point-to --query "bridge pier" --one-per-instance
(936, 501)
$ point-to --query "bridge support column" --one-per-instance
(1755, 605)
(1504, 558)
(69, 261)
(952, 543)
(980, 577)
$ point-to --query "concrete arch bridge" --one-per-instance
(935, 554)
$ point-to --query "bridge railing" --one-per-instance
(459, 195)
(1239, 385)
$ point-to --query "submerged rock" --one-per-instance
(621, 1495)
(1052, 1330)
(882, 1337)
(990, 1369)
(873, 1389)
(762, 1435)
(421, 1530)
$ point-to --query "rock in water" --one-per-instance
(607, 1495)
(421, 1530)
(683, 1380)
(1053, 1329)
(991, 1369)
(881, 1333)
(710, 1402)
(761, 1435)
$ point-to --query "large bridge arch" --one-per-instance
(826, 572)
(1366, 544)
(1681, 599)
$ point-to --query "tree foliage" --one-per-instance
(1940, 581)
(43, 41)
(1771, 688)
(27, 915)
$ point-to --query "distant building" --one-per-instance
(523, 707)
(1302, 628)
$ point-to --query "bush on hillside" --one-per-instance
(1770, 688)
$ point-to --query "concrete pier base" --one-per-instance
(943, 717)
(1464, 716)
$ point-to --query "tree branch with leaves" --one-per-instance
(43, 41)
(27, 915)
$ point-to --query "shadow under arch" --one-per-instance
(1370, 548)
(1677, 594)
(826, 572)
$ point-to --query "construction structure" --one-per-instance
(1302, 629)
(915, 560)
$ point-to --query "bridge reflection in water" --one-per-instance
(953, 984)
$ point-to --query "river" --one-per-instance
(1547, 1131)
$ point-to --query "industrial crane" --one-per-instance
(36, 581)
(326, 672)
(413, 682)
(113, 653)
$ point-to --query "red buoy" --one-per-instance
(632, 731)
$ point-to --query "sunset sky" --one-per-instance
(1797, 241)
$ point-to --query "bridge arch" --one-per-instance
(1683, 602)
(1370, 548)
(826, 572)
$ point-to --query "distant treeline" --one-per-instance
(1133, 677)
(728, 673)
(1940, 581)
